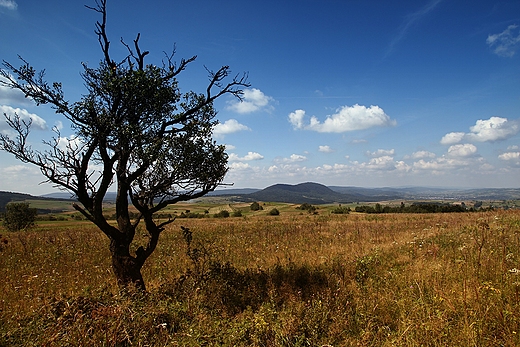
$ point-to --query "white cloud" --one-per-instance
(229, 147)
(346, 118)
(385, 162)
(296, 119)
(252, 100)
(422, 155)
(510, 156)
(506, 43)
(9, 4)
(249, 156)
(464, 150)
(238, 166)
(452, 138)
(10, 96)
(294, 158)
(488, 130)
(228, 127)
(73, 142)
(381, 153)
(493, 129)
(409, 21)
(37, 122)
(325, 149)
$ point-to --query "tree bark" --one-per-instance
(127, 268)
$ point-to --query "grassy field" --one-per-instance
(295, 279)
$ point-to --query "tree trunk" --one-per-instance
(126, 268)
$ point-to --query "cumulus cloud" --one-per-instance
(510, 156)
(493, 129)
(252, 100)
(462, 150)
(506, 43)
(228, 127)
(346, 118)
(452, 138)
(381, 153)
(325, 149)
(422, 155)
(248, 157)
(488, 130)
(9, 4)
(239, 166)
(10, 96)
(294, 158)
(296, 119)
(37, 122)
(229, 147)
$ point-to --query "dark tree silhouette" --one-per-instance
(19, 216)
(134, 130)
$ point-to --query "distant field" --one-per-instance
(296, 279)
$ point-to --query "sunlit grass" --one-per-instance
(292, 280)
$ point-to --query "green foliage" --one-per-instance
(274, 212)
(341, 210)
(222, 214)
(255, 206)
(307, 207)
(19, 216)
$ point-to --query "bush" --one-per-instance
(274, 212)
(222, 214)
(341, 210)
(237, 213)
(18, 216)
(255, 206)
(307, 207)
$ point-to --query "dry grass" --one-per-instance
(292, 280)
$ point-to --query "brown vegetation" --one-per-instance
(290, 280)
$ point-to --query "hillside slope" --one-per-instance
(311, 193)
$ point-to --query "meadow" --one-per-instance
(297, 279)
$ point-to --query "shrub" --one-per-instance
(307, 207)
(19, 216)
(274, 212)
(255, 206)
(222, 214)
(341, 210)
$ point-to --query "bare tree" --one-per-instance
(135, 131)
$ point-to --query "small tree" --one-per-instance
(274, 212)
(19, 216)
(255, 206)
(133, 129)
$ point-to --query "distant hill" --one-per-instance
(311, 193)
(7, 197)
(315, 193)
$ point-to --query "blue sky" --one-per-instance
(349, 93)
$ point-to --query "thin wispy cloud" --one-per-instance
(506, 43)
(410, 20)
(9, 4)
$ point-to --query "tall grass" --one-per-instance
(295, 280)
